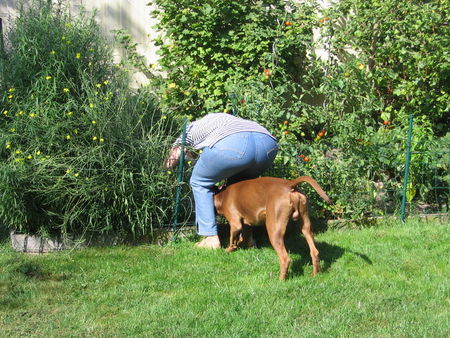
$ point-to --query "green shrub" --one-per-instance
(402, 47)
(206, 47)
(80, 152)
(348, 115)
(389, 60)
(71, 43)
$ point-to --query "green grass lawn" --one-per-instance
(389, 280)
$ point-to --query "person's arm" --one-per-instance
(173, 158)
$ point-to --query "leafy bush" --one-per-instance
(80, 152)
(72, 43)
(389, 60)
(343, 120)
(403, 50)
(206, 47)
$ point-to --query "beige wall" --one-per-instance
(133, 16)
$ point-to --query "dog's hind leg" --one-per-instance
(307, 232)
(276, 223)
(277, 241)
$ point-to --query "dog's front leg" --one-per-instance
(246, 239)
(235, 230)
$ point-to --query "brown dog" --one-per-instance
(272, 201)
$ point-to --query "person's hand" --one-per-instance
(173, 158)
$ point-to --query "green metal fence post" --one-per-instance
(407, 162)
(180, 179)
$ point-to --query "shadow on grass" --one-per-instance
(21, 280)
(21, 266)
(296, 244)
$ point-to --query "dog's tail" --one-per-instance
(313, 183)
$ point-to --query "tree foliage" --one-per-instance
(206, 47)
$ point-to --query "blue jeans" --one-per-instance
(239, 156)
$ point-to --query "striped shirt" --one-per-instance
(213, 127)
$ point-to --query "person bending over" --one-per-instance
(232, 148)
